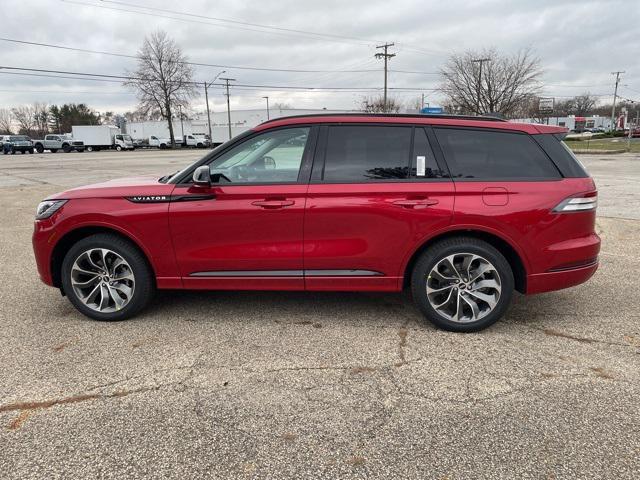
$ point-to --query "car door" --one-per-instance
(376, 193)
(245, 231)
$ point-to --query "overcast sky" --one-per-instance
(579, 43)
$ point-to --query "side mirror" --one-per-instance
(202, 176)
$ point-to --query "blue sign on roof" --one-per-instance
(432, 110)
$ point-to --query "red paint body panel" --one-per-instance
(230, 233)
(374, 227)
(358, 226)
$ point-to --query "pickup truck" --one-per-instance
(54, 143)
(159, 142)
(16, 143)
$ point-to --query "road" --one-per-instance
(315, 385)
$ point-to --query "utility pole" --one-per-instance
(422, 107)
(615, 96)
(181, 124)
(227, 80)
(267, 107)
(206, 96)
(480, 61)
(386, 57)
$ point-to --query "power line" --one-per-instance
(122, 78)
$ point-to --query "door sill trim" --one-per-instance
(288, 273)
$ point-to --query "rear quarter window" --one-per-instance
(490, 155)
(562, 156)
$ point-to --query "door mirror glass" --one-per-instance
(268, 163)
(202, 176)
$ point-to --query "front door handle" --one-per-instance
(416, 204)
(271, 204)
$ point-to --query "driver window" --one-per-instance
(272, 157)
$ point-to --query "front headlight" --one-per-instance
(48, 207)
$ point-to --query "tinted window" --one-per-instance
(562, 156)
(361, 153)
(272, 157)
(493, 155)
(423, 163)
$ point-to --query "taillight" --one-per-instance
(580, 203)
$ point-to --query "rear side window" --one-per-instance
(365, 153)
(490, 155)
(562, 156)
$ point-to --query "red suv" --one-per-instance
(462, 210)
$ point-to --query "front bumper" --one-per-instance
(43, 240)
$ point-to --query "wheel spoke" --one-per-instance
(475, 310)
(449, 262)
(488, 299)
(86, 283)
(447, 300)
(487, 283)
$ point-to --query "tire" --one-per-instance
(89, 149)
(30, 151)
(140, 285)
(39, 148)
(66, 148)
(80, 150)
(497, 275)
(118, 148)
(53, 150)
(12, 151)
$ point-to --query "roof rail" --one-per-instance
(482, 118)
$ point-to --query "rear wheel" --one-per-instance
(39, 148)
(31, 150)
(53, 150)
(107, 278)
(462, 284)
(89, 149)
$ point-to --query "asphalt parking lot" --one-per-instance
(315, 385)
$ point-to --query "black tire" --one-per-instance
(12, 151)
(89, 149)
(458, 245)
(53, 150)
(66, 148)
(118, 148)
(144, 282)
(80, 150)
(31, 151)
(39, 148)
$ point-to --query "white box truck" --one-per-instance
(102, 137)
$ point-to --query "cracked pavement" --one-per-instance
(315, 385)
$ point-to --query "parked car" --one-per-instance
(635, 132)
(16, 143)
(53, 143)
(461, 210)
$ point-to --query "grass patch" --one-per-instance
(603, 144)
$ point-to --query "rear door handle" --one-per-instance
(416, 204)
(271, 204)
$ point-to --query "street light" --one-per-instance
(267, 107)
(206, 95)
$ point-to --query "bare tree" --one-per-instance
(163, 80)
(281, 106)
(584, 104)
(486, 82)
(41, 118)
(376, 105)
(6, 121)
(25, 118)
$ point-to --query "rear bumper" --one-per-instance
(549, 281)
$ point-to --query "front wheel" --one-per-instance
(118, 148)
(107, 278)
(39, 148)
(66, 148)
(462, 284)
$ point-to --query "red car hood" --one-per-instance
(119, 187)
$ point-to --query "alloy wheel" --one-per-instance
(102, 280)
(463, 287)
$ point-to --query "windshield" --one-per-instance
(19, 138)
(126, 138)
